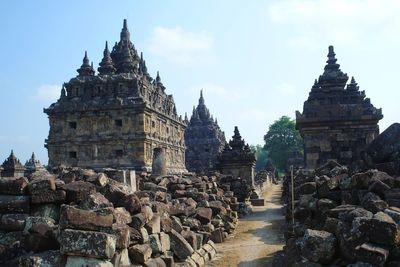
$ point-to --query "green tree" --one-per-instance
(282, 140)
(261, 156)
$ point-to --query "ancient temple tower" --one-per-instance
(32, 165)
(337, 120)
(116, 118)
(12, 167)
(204, 139)
(237, 159)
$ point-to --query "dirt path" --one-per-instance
(257, 236)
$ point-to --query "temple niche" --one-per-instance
(338, 121)
(203, 138)
(237, 159)
(116, 118)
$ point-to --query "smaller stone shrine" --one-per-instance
(12, 167)
(237, 159)
(203, 138)
(338, 121)
(32, 165)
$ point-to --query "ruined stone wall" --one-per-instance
(246, 172)
(340, 143)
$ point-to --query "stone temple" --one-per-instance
(338, 121)
(12, 167)
(203, 138)
(237, 159)
(116, 118)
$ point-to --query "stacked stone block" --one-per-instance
(342, 218)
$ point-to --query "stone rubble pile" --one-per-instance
(383, 153)
(342, 219)
(78, 217)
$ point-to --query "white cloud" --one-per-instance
(48, 93)
(346, 22)
(286, 89)
(179, 46)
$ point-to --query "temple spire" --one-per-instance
(142, 64)
(331, 56)
(86, 69)
(353, 86)
(106, 64)
(63, 92)
(125, 35)
(237, 142)
(201, 99)
(332, 74)
(158, 78)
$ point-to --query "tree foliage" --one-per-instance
(261, 156)
(282, 140)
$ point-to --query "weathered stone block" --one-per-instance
(49, 196)
(204, 215)
(210, 249)
(394, 214)
(155, 244)
(116, 192)
(43, 259)
(379, 188)
(180, 246)
(49, 210)
(372, 254)
(72, 217)
(153, 187)
(153, 226)
(176, 224)
(95, 201)
(13, 186)
(138, 221)
(13, 222)
(306, 188)
(121, 258)
(132, 204)
(168, 260)
(11, 246)
(122, 216)
(198, 259)
(87, 243)
(99, 179)
(380, 229)
(191, 238)
(140, 253)
(122, 234)
(78, 191)
(40, 242)
(165, 242)
(14, 204)
(217, 207)
(41, 225)
(318, 246)
(38, 185)
(155, 262)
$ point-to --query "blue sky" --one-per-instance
(254, 60)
